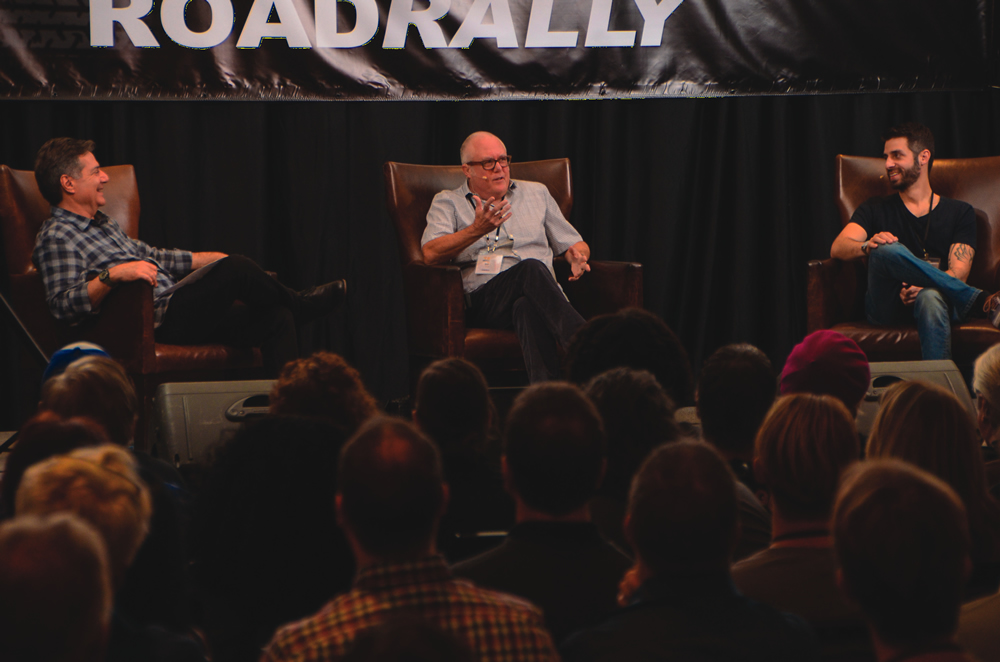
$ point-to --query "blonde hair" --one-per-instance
(99, 484)
(929, 427)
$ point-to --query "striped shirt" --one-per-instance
(71, 250)
(536, 228)
(495, 626)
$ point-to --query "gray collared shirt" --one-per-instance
(536, 229)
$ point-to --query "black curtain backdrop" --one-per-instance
(722, 200)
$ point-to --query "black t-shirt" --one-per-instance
(951, 222)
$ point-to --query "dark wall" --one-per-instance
(722, 200)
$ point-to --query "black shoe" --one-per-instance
(319, 301)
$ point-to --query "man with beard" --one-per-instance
(906, 236)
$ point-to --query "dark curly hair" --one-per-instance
(632, 338)
(323, 386)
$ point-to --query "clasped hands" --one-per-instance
(908, 293)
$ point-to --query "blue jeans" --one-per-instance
(944, 299)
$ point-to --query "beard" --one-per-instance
(907, 176)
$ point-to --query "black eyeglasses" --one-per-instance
(490, 164)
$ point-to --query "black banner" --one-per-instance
(448, 49)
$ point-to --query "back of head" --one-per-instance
(391, 488)
(918, 137)
(554, 446)
(41, 437)
(803, 446)
(632, 338)
(55, 588)
(986, 381)
(736, 388)
(928, 426)
(638, 416)
(58, 157)
(901, 542)
(323, 386)
(828, 363)
(99, 388)
(102, 487)
(682, 509)
(453, 403)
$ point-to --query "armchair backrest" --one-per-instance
(410, 188)
(23, 210)
(976, 181)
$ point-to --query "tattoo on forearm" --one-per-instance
(962, 252)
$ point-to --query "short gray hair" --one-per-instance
(986, 380)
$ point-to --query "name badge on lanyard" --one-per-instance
(489, 263)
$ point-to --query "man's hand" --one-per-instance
(138, 270)
(577, 257)
(881, 238)
(490, 214)
(909, 293)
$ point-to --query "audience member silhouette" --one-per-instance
(390, 499)
(453, 407)
(102, 486)
(266, 543)
(736, 388)
(638, 416)
(929, 427)
(631, 338)
(55, 590)
(323, 386)
(553, 462)
(682, 521)
(802, 447)
(902, 544)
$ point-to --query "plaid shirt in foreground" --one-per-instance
(495, 626)
(71, 250)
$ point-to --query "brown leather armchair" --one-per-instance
(124, 326)
(836, 289)
(435, 302)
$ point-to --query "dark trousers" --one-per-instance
(527, 296)
(238, 304)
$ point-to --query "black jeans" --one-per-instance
(527, 296)
(238, 304)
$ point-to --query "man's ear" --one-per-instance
(67, 183)
(338, 508)
(924, 156)
(508, 481)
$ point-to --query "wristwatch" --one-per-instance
(864, 248)
(105, 277)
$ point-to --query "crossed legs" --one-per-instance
(944, 299)
(527, 296)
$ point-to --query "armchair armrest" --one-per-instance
(609, 287)
(435, 309)
(835, 292)
(124, 326)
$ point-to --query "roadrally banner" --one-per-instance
(486, 49)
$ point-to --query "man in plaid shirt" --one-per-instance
(83, 254)
(390, 500)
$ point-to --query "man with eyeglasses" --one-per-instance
(503, 234)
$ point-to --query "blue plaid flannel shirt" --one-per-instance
(71, 250)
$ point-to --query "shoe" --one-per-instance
(992, 309)
(319, 301)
